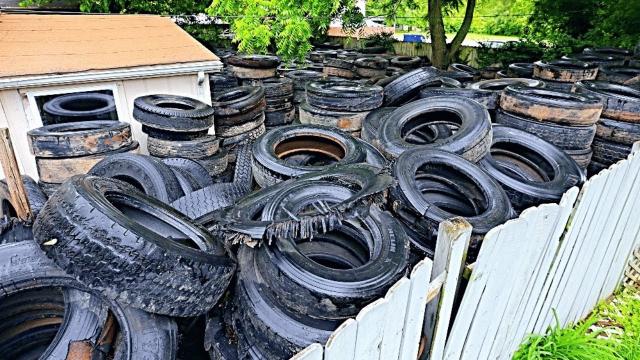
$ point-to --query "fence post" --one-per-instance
(12, 175)
(451, 252)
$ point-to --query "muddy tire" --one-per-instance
(173, 113)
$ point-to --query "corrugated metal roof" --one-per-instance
(62, 44)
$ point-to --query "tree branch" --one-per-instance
(464, 29)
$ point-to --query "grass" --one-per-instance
(611, 332)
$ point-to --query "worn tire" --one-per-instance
(618, 74)
(341, 120)
(553, 106)
(73, 107)
(173, 113)
(190, 149)
(79, 138)
(562, 136)
(407, 86)
(216, 164)
(145, 173)
(254, 61)
(472, 139)
(83, 229)
(191, 169)
(619, 102)
(34, 193)
(371, 123)
(618, 131)
(565, 70)
(608, 153)
(581, 157)
(524, 70)
(344, 96)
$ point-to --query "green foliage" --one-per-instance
(574, 343)
(623, 313)
(384, 40)
(513, 51)
(167, 7)
(496, 17)
(287, 26)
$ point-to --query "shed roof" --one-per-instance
(33, 44)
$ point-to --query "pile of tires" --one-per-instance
(562, 74)
(567, 120)
(79, 107)
(278, 94)
(300, 80)
(253, 67)
(179, 126)
(618, 127)
(239, 116)
(68, 149)
(340, 104)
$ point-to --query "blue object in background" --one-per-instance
(414, 38)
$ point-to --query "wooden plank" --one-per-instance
(397, 300)
(19, 123)
(414, 317)
(342, 342)
(19, 198)
(311, 352)
(457, 233)
(482, 271)
(372, 320)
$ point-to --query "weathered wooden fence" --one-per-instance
(556, 261)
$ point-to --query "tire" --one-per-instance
(608, 153)
(595, 167)
(245, 73)
(608, 52)
(618, 74)
(462, 177)
(562, 136)
(371, 123)
(173, 113)
(581, 157)
(221, 82)
(34, 193)
(472, 139)
(277, 87)
(487, 98)
(195, 174)
(530, 170)
(406, 62)
(170, 277)
(374, 156)
(33, 273)
(620, 102)
(344, 96)
(475, 73)
(597, 59)
(13, 230)
(489, 72)
(565, 70)
(618, 131)
(237, 101)
(254, 61)
(334, 73)
(80, 107)
(333, 147)
(48, 188)
(552, 106)
(227, 131)
(58, 170)
(190, 149)
(302, 77)
(461, 76)
(216, 196)
(372, 74)
(341, 120)
(335, 266)
(407, 86)
(501, 84)
(375, 63)
(524, 70)
(79, 138)
(279, 118)
(145, 173)
(216, 164)
(172, 135)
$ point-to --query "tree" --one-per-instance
(285, 26)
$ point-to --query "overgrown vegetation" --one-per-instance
(611, 332)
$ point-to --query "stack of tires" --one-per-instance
(221, 82)
(342, 105)
(562, 74)
(618, 127)
(300, 80)
(178, 126)
(278, 94)
(79, 107)
(239, 116)
(253, 67)
(371, 67)
(565, 119)
(68, 149)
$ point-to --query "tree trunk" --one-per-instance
(438, 36)
(456, 44)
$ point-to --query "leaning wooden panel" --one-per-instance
(415, 310)
(397, 300)
(459, 233)
(311, 352)
(342, 342)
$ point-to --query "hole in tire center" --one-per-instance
(131, 181)
(83, 104)
(521, 163)
(8, 209)
(318, 150)
(337, 250)
(171, 105)
(451, 191)
(31, 319)
(422, 129)
(131, 209)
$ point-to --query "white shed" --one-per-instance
(125, 55)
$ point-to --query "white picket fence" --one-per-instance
(554, 259)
